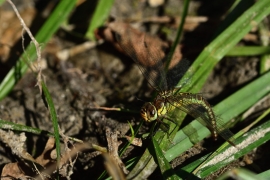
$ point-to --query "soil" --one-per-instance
(104, 77)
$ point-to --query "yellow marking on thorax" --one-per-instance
(162, 111)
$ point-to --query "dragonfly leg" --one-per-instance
(166, 128)
(163, 126)
(154, 129)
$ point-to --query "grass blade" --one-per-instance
(163, 164)
(248, 51)
(53, 114)
(100, 16)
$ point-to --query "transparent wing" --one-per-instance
(143, 50)
(150, 55)
(176, 72)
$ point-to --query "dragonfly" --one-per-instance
(152, 63)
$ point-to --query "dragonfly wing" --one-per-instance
(176, 72)
(145, 50)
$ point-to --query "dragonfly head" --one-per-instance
(149, 112)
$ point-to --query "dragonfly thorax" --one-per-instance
(159, 103)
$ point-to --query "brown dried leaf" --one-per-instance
(12, 170)
(45, 158)
(11, 29)
(25, 168)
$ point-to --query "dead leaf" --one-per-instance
(45, 158)
(11, 29)
(12, 170)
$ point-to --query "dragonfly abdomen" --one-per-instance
(196, 106)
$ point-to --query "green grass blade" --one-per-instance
(248, 51)
(58, 16)
(242, 146)
(247, 143)
(240, 174)
(238, 8)
(200, 162)
(264, 40)
(102, 11)
(165, 167)
(264, 65)
(20, 127)
(264, 175)
(146, 161)
(53, 114)
(133, 134)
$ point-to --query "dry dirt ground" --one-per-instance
(104, 77)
